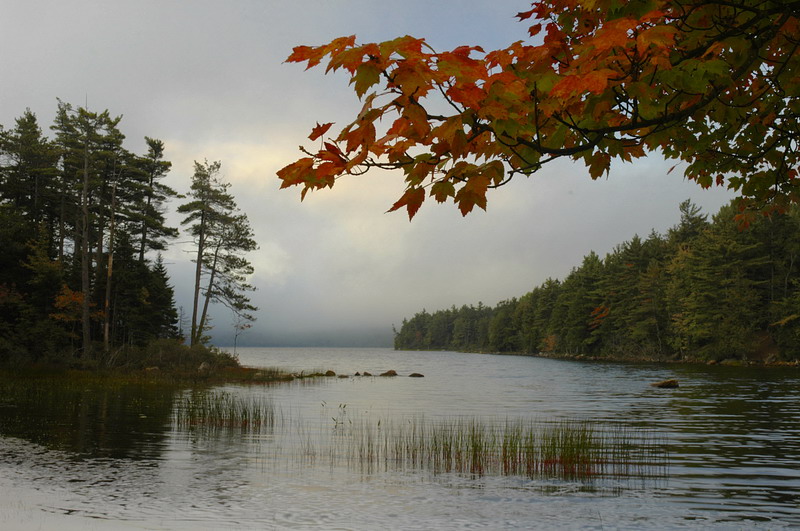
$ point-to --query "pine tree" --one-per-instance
(221, 234)
(28, 171)
(147, 218)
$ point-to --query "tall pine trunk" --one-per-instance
(143, 242)
(85, 287)
(197, 277)
(211, 278)
(109, 269)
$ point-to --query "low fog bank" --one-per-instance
(356, 338)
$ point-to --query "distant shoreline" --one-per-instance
(632, 359)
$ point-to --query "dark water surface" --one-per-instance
(78, 458)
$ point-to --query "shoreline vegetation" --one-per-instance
(162, 361)
(83, 222)
(571, 449)
(707, 291)
(729, 362)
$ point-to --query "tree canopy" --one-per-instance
(704, 291)
(711, 84)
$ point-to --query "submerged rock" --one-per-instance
(366, 374)
(390, 372)
(416, 375)
(666, 384)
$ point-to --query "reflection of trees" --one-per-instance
(739, 424)
(97, 418)
(753, 404)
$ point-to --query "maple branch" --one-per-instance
(732, 31)
(711, 72)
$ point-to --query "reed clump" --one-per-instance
(216, 410)
(568, 449)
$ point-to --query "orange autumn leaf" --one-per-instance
(319, 130)
(469, 95)
(593, 82)
(412, 199)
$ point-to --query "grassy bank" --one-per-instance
(160, 362)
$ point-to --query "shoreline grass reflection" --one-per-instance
(570, 449)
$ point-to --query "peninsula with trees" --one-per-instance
(82, 227)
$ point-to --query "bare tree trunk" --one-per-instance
(197, 277)
(61, 229)
(85, 316)
(109, 267)
(143, 243)
(211, 278)
(100, 221)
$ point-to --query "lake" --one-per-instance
(129, 459)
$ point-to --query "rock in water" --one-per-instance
(666, 384)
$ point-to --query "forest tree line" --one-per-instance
(82, 227)
(706, 290)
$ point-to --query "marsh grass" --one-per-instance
(218, 410)
(579, 450)
(568, 449)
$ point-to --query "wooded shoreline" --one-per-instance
(730, 362)
(708, 290)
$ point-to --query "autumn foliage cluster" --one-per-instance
(710, 84)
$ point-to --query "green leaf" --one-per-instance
(367, 75)
(441, 190)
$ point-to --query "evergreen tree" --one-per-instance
(503, 335)
(164, 321)
(28, 171)
(92, 161)
(708, 290)
(147, 219)
(221, 234)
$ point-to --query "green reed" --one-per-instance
(569, 449)
(221, 410)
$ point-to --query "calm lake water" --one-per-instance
(121, 458)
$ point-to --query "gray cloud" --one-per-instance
(208, 78)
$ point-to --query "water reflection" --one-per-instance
(738, 437)
(88, 419)
(127, 453)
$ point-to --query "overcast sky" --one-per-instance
(208, 78)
